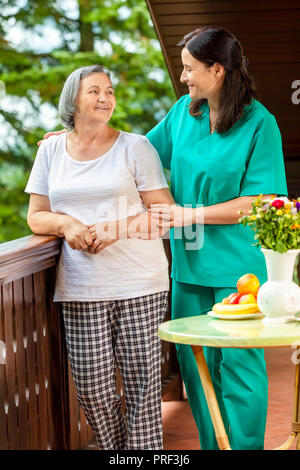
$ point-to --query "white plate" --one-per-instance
(235, 316)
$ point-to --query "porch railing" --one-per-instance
(38, 404)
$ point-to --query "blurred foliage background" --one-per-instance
(40, 44)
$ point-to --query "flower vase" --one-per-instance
(279, 298)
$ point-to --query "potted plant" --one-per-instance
(276, 224)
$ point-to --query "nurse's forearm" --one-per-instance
(225, 212)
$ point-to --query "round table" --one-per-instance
(203, 330)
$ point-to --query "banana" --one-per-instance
(235, 308)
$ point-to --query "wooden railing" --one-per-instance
(38, 404)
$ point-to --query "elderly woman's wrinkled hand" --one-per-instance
(99, 245)
(104, 234)
(106, 230)
(77, 234)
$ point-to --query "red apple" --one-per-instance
(234, 298)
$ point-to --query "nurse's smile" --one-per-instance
(203, 81)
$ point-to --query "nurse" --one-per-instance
(222, 147)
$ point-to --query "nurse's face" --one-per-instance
(203, 81)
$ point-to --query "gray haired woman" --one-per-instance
(112, 300)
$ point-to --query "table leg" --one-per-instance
(295, 432)
(211, 399)
(296, 423)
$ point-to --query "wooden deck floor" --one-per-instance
(180, 431)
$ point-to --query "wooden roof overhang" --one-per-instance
(269, 31)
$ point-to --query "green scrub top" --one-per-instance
(208, 169)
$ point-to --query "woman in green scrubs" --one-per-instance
(222, 147)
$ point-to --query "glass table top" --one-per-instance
(207, 331)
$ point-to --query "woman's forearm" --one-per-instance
(48, 223)
(223, 213)
(76, 233)
(141, 226)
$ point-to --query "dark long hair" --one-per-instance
(211, 44)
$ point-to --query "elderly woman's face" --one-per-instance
(96, 99)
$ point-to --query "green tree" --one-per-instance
(115, 33)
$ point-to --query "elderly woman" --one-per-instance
(112, 300)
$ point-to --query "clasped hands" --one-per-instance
(149, 225)
(83, 237)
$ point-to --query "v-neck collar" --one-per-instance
(205, 123)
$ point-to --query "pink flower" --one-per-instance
(277, 203)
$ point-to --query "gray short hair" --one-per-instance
(66, 105)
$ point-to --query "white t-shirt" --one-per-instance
(106, 188)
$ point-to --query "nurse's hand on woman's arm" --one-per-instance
(173, 215)
(44, 222)
(49, 134)
(224, 213)
(141, 226)
(146, 226)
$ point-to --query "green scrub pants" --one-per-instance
(238, 375)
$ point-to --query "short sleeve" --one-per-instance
(147, 168)
(265, 172)
(38, 179)
(161, 135)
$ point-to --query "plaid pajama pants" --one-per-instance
(100, 335)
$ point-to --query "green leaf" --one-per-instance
(280, 247)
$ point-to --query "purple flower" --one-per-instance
(298, 206)
(265, 207)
